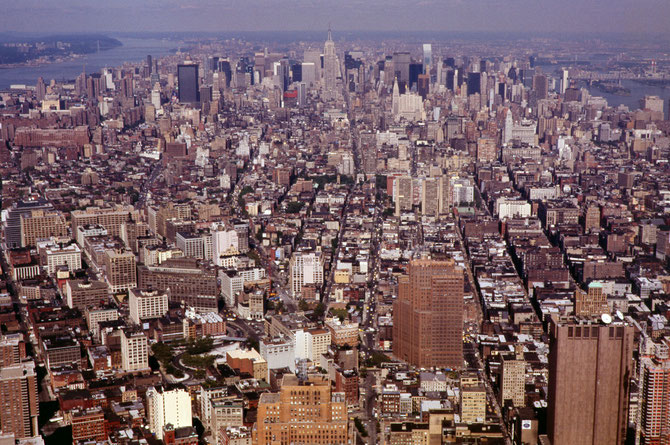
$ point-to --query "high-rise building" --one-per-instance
(403, 194)
(41, 224)
(473, 399)
(120, 270)
(84, 294)
(513, 381)
(149, 64)
(168, 407)
(474, 83)
(330, 66)
(306, 270)
(187, 84)
(589, 371)
(12, 349)
(19, 406)
(134, 350)
(591, 303)
(540, 86)
(428, 315)
(40, 89)
(111, 218)
(653, 426)
(147, 304)
(302, 412)
(653, 103)
(565, 80)
(427, 58)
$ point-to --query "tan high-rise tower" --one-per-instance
(302, 412)
(18, 400)
(428, 315)
(589, 371)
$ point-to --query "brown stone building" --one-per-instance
(590, 364)
(18, 400)
(428, 315)
(302, 412)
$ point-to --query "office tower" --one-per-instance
(428, 315)
(415, 70)
(589, 371)
(330, 66)
(127, 86)
(18, 400)
(451, 79)
(168, 407)
(156, 97)
(591, 303)
(12, 349)
(187, 84)
(225, 242)
(427, 58)
(224, 67)
(565, 82)
(403, 194)
(296, 72)
(401, 62)
(308, 73)
(110, 218)
(134, 350)
(147, 304)
(302, 94)
(40, 89)
(508, 129)
(82, 294)
(474, 83)
(190, 284)
(430, 197)
(653, 103)
(14, 216)
(540, 86)
(120, 270)
(653, 425)
(513, 381)
(41, 224)
(306, 270)
(487, 150)
(302, 412)
(473, 399)
(423, 85)
(149, 64)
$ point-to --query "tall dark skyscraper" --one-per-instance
(188, 83)
(540, 86)
(589, 372)
(415, 69)
(474, 83)
(428, 315)
(150, 64)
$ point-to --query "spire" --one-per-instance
(330, 34)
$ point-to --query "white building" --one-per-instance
(278, 352)
(305, 269)
(147, 304)
(224, 243)
(232, 282)
(56, 256)
(134, 351)
(512, 208)
(168, 407)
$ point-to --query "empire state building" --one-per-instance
(330, 67)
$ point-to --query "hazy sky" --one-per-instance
(639, 16)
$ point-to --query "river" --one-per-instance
(637, 91)
(132, 50)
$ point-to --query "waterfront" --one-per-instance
(132, 50)
(637, 91)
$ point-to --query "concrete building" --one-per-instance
(168, 407)
(249, 362)
(84, 294)
(147, 304)
(428, 315)
(278, 352)
(513, 381)
(589, 367)
(120, 270)
(134, 351)
(111, 218)
(41, 224)
(306, 269)
(653, 425)
(302, 412)
(56, 256)
(18, 393)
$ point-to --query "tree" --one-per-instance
(320, 310)
(302, 305)
(294, 206)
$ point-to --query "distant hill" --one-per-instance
(25, 49)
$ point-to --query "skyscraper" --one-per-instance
(540, 86)
(40, 89)
(18, 400)
(589, 371)
(591, 303)
(474, 83)
(428, 315)
(168, 407)
(653, 426)
(427, 58)
(330, 67)
(302, 412)
(187, 78)
(149, 64)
